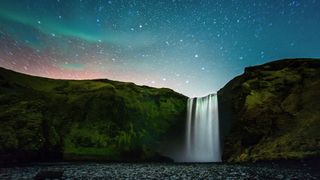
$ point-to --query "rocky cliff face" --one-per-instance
(100, 119)
(272, 111)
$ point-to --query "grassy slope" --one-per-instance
(89, 119)
(275, 111)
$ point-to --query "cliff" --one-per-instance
(43, 119)
(272, 112)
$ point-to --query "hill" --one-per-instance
(45, 119)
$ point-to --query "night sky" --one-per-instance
(192, 46)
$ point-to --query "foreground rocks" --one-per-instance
(272, 111)
(165, 171)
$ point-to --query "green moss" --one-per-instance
(246, 86)
(257, 98)
(21, 125)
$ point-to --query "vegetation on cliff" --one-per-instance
(272, 111)
(87, 119)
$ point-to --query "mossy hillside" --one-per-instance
(275, 110)
(98, 119)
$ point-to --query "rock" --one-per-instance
(42, 175)
(280, 176)
(272, 112)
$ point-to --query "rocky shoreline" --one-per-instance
(164, 171)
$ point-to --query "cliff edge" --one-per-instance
(272, 112)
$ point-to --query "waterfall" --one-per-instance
(202, 140)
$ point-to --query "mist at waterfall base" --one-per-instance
(201, 139)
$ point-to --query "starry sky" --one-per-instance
(192, 46)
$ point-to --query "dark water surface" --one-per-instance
(165, 171)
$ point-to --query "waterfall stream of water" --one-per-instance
(202, 140)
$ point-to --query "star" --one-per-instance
(193, 48)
